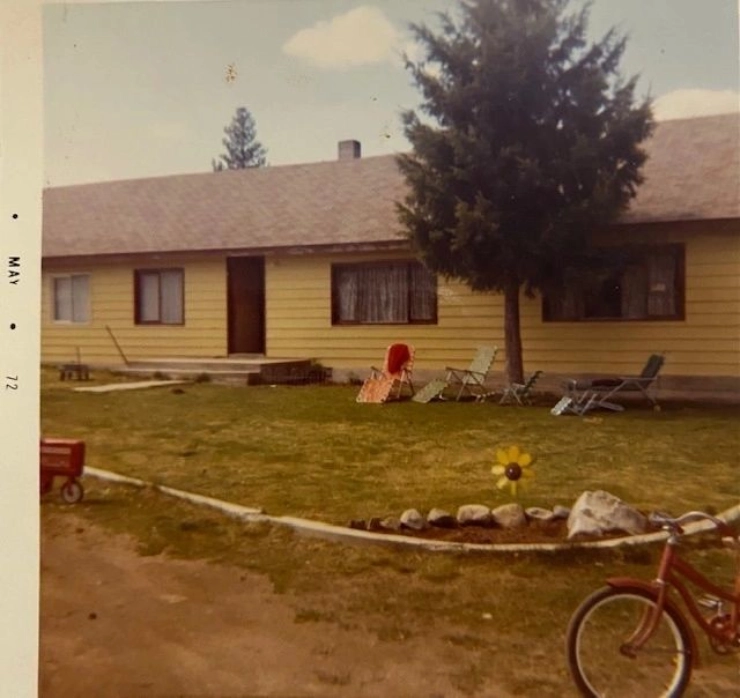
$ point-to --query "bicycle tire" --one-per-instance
(596, 632)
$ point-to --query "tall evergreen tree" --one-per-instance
(530, 142)
(242, 147)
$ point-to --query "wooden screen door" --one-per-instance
(246, 304)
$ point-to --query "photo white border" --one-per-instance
(21, 182)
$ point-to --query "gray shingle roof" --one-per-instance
(693, 173)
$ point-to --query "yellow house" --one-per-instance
(306, 261)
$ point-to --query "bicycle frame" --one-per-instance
(670, 573)
(681, 568)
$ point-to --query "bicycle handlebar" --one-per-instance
(675, 524)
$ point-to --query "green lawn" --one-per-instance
(503, 616)
(315, 452)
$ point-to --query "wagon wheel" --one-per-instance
(46, 482)
(72, 491)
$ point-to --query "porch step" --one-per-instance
(194, 364)
(250, 370)
(250, 377)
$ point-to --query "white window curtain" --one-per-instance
(347, 292)
(80, 299)
(634, 289)
(72, 298)
(384, 294)
(661, 296)
(63, 299)
(648, 288)
(149, 297)
(171, 288)
(161, 296)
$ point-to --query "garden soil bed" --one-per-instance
(534, 532)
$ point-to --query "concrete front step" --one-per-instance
(250, 377)
(230, 364)
(251, 370)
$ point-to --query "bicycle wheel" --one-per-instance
(597, 632)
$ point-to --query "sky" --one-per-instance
(143, 89)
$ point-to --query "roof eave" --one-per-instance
(272, 251)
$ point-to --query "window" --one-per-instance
(159, 296)
(72, 298)
(647, 285)
(383, 293)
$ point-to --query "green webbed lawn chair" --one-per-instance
(521, 393)
(471, 380)
(599, 392)
(580, 405)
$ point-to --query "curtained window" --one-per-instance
(383, 293)
(159, 297)
(648, 286)
(72, 298)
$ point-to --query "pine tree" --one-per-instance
(530, 142)
(242, 148)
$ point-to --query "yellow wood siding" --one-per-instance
(298, 316)
(705, 343)
(112, 304)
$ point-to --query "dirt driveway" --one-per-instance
(117, 624)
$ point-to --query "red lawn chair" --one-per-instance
(392, 379)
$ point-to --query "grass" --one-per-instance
(314, 452)
(502, 617)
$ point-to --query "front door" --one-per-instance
(246, 304)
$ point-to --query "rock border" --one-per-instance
(342, 533)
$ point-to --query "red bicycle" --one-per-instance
(633, 638)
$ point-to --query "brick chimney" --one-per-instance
(349, 150)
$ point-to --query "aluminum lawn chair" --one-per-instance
(520, 393)
(431, 391)
(599, 392)
(585, 402)
(470, 381)
(391, 380)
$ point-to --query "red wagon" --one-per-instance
(63, 458)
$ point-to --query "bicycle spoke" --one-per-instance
(605, 664)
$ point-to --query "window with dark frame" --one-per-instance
(648, 285)
(383, 293)
(159, 296)
(71, 299)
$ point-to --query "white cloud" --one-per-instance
(681, 104)
(361, 36)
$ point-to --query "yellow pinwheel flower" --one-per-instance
(513, 465)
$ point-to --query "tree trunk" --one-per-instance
(512, 334)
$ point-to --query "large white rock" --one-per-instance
(474, 515)
(539, 514)
(509, 515)
(390, 523)
(597, 513)
(412, 519)
(441, 518)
